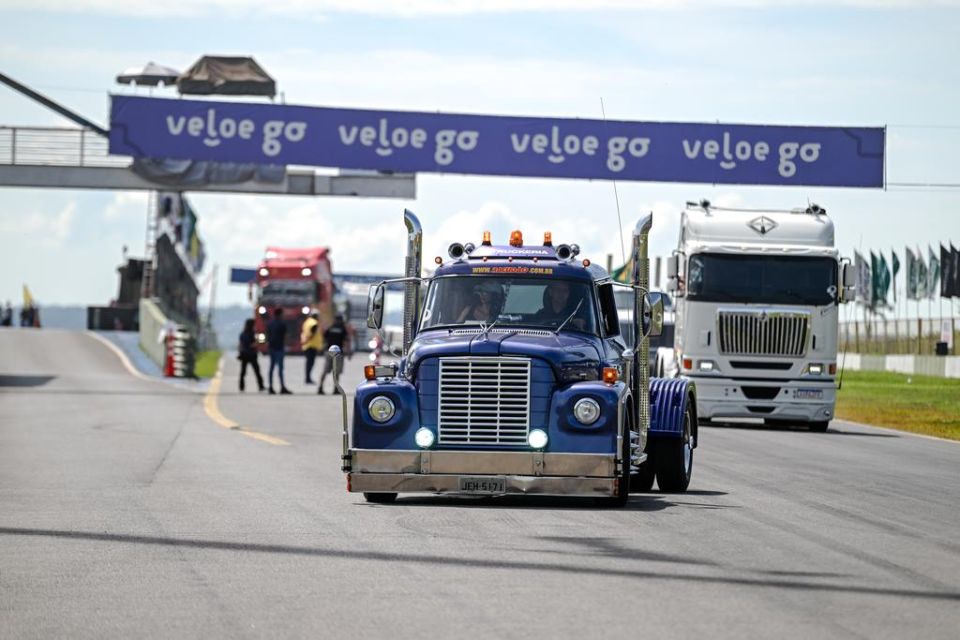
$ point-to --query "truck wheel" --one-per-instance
(819, 426)
(380, 498)
(674, 458)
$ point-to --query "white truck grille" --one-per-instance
(484, 401)
(763, 333)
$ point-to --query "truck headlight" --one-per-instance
(537, 438)
(815, 368)
(381, 409)
(424, 438)
(707, 366)
(586, 410)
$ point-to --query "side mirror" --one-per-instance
(849, 275)
(375, 306)
(652, 315)
(673, 266)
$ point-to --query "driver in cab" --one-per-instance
(558, 306)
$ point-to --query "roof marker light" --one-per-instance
(486, 239)
(516, 238)
(547, 239)
(438, 260)
(586, 262)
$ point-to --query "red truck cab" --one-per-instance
(299, 281)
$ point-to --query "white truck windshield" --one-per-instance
(762, 279)
(525, 302)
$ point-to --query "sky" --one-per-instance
(802, 62)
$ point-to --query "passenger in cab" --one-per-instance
(485, 304)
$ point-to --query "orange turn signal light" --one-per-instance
(486, 239)
(547, 239)
(610, 375)
(687, 363)
(370, 372)
(516, 239)
(832, 368)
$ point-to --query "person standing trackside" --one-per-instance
(7, 319)
(336, 335)
(311, 341)
(276, 347)
(247, 354)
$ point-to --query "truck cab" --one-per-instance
(515, 379)
(757, 295)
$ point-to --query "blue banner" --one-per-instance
(405, 141)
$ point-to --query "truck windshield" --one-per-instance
(762, 279)
(280, 293)
(523, 302)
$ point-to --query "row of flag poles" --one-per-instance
(937, 276)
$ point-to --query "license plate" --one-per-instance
(809, 394)
(483, 486)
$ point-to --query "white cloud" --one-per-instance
(125, 205)
(316, 9)
(47, 229)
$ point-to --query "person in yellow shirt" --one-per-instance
(311, 341)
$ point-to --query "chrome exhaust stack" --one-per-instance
(640, 278)
(412, 269)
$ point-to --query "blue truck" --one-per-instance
(515, 378)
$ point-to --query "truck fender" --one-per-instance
(669, 399)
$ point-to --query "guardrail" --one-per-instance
(56, 146)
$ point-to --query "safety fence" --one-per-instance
(908, 336)
(56, 146)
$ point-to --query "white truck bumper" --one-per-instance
(803, 401)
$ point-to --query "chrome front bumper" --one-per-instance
(522, 472)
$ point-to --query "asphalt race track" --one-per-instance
(126, 511)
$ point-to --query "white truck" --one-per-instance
(757, 295)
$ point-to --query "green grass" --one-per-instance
(921, 404)
(206, 365)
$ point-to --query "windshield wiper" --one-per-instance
(569, 318)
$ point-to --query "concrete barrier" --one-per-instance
(939, 366)
(152, 321)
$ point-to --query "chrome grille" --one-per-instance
(763, 333)
(484, 401)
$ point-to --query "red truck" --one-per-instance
(299, 281)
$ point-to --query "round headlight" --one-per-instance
(424, 438)
(586, 410)
(537, 438)
(262, 310)
(305, 310)
(381, 408)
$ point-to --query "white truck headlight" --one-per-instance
(424, 438)
(537, 438)
(815, 368)
(707, 365)
(586, 410)
(381, 408)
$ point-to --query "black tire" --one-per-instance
(380, 498)
(674, 457)
(819, 426)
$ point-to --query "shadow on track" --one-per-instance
(481, 563)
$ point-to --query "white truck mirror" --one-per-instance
(849, 275)
(375, 306)
(673, 267)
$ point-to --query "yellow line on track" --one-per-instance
(212, 409)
